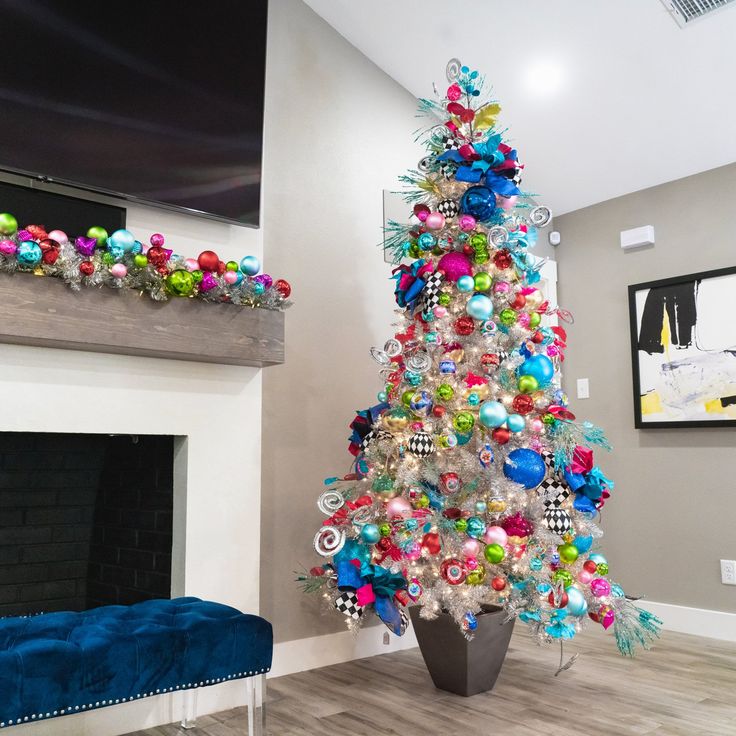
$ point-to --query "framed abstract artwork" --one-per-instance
(683, 350)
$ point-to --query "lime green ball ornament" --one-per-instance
(461, 525)
(602, 568)
(549, 419)
(385, 529)
(180, 283)
(568, 553)
(463, 421)
(564, 577)
(507, 317)
(406, 398)
(494, 553)
(444, 299)
(535, 319)
(445, 392)
(99, 234)
(422, 502)
(8, 224)
(197, 276)
(482, 281)
(528, 384)
(478, 240)
(232, 266)
(414, 251)
(108, 258)
(140, 260)
(477, 576)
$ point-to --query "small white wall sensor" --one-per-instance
(554, 238)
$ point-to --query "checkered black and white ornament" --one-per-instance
(421, 444)
(347, 604)
(404, 622)
(448, 142)
(431, 292)
(375, 435)
(448, 169)
(449, 208)
(557, 521)
(553, 492)
(549, 461)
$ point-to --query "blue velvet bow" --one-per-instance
(409, 284)
(385, 585)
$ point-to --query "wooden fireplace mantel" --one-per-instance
(45, 312)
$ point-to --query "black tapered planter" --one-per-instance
(456, 664)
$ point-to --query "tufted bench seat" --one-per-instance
(61, 663)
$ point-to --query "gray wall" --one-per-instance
(672, 515)
(338, 132)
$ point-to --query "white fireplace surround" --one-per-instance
(215, 412)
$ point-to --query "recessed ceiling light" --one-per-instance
(544, 77)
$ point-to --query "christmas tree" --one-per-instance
(473, 483)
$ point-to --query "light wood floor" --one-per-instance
(685, 686)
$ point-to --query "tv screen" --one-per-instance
(154, 100)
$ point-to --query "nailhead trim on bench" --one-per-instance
(92, 706)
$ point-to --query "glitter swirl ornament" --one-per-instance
(328, 541)
(330, 502)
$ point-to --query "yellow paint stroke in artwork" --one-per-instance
(666, 336)
(714, 406)
(651, 403)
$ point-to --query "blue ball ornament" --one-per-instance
(421, 403)
(476, 527)
(121, 241)
(466, 284)
(138, 247)
(370, 534)
(250, 265)
(576, 603)
(493, 414)
(516, 423)
(426, 241)
(583, 544)
(525, 467)
(480, 307)
(480, 202)
(382, 396)
(617, 591)
(539, 366)
(29, 253)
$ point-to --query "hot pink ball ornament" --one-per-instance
(471, 563)
(455, 265)
(496, 535)
(466, 222)
(59, 236)
(600, 587)
(454, 93)
(191, 264)
(523, 319)
(501, 287)
(230, 277)
(119, 270)
(208, 282)
(435, 221)
(157, 239)
(413, 551)
(398, 506)
(471, 547)
(8, 247)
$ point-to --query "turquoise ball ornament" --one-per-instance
(250, 265)
(479, 307)
(370, 533)
(466, 284)
(583, 544)
(539, 366)
(476, 527)
(29, 253)
(516, 423)
(576, 603)
(382, 396)
(525, 467)
(121, 240)
(493, 414)
(598, 559)
(258, 289)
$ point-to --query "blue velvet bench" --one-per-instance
(58, 664)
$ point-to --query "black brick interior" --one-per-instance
(85, 520)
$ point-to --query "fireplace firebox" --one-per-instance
(85, 520)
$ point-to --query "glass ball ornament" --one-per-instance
(481, 507)
(435, 221)
(507, 317)
(535, 320)
(8, 224)
(494, 553)
(140, 260)
(568, 553)
(444, 299)
(122, 241)
(99, 234)
(370, 533)
(528, 384)
(250, 265)
(464, 326)
(466, 284)
(576, 603)
(496, 535)
(463, 421)
(478, 201)
(444, 392)
(526, 467)
(473, 398)
(492, 414)
(453, 571)
(476, 576)
(479, 307)
(540, 367)
(461, 525)
(426, 241)
(180, 283)
(454, 265)
(482, 281)
(564, 577)
(516, 423)
(475, 527)
(421, 403)
(501, 435)
(498, 583)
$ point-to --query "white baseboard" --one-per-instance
(319, 651)
(696, 621)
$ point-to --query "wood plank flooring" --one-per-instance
(685, 686)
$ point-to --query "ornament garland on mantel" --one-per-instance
(119, 261)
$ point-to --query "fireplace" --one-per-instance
(85, 520)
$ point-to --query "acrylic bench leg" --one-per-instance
(256, 696)
(189, 709)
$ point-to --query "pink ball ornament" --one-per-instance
(506, 203)
(471, 547)
(600, 587)
(157, 239)
(496, 535)
(440, 312)
(466, 222)
(536, 425)
(501, 287)
(413, 551)
(59, 236)
(119, 270)
(455, 265)
(471, 563)
(8, 247)
(523, 319)
(398, 507)
(191, 264)
(230, 277)
(585, 577)
(435, 221)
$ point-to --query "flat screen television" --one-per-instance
(159, 101)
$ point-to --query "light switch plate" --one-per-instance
(583, 388)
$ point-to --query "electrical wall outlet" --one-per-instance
(728, 572)
(386, 638)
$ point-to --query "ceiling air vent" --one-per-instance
(686, 11)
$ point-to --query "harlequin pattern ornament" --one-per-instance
(558, 521)
(449, 208)
(421, 444)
